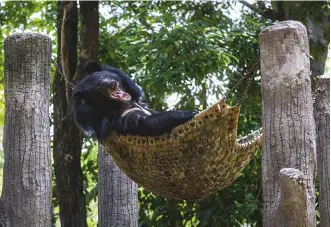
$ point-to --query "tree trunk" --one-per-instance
(27, 186)
(319, 39)
(118, 197)
(288, 124)
(322, 119)
(67, 138)
(89, 35)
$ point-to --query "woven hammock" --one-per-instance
(196, 159)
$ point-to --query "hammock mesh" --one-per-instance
(193, 161)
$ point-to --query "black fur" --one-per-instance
(97, 113)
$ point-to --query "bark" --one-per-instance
(288, 124)
(322, 119)
(118, 197)
(319, 39)
(67, 138)
(89, 35)
(293, 197)
(27, 169)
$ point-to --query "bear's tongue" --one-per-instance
(119, 94)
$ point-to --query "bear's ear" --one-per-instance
(91, 67)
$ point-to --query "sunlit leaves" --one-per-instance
(174, 48)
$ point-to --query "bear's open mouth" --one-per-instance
(118, 94)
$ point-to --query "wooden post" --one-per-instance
(27, 189)
(118, 194)
(322, 119)
(288, 127)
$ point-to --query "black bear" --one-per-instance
(109, 100)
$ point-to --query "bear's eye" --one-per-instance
(113, 85)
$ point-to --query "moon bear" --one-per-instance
(108, 100)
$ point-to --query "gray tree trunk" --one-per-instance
(322, 119)
(288, 126)
(27, 169)
(117, 197)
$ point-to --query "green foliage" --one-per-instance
(32, 16)
(90, 172)
(169, 54)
